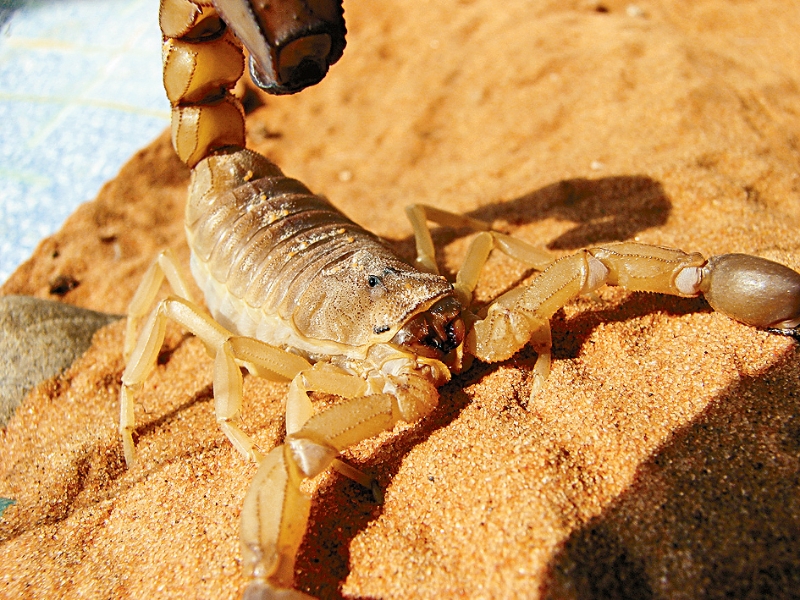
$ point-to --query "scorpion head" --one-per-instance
(370, 296)
(435, 332)
(291, 42)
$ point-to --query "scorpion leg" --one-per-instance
(165, 266)
(229, 352)
(419, 215)
(144, 355)
(260, 359)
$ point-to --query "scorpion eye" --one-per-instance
(373, 281)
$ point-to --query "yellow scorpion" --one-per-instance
(300, 293)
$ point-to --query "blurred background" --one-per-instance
(80, 92)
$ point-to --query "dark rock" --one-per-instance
(39, 339)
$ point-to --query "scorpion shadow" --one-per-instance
(602, 210)
(613, 208)
(713, 513)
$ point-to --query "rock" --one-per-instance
(39, 339)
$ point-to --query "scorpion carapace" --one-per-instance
(301, 294)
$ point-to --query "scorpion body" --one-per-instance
(272, 253)
(300, 293)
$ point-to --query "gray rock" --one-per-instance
(39, 339)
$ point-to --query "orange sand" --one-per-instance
(662, 457)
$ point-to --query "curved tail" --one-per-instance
(291, 44)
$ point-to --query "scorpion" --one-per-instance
(299, 293)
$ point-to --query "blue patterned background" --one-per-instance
(80, 92)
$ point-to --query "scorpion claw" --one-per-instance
(754, 291)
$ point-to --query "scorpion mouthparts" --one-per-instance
(435, 332)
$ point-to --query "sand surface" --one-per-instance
(662, 459)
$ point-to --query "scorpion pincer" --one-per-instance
(300, 293)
